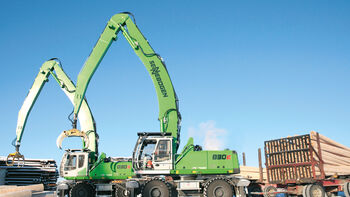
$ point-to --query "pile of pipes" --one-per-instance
(32, 171)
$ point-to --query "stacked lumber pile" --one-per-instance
(252, 173)
(35, 171)
(335, 156)
(282, 155)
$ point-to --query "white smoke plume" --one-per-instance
(213, 138)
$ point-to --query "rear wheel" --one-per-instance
(347, 189)
(315, 190)
(218, 188)
(305, 188)
(156, 188)
(82, 190)
(268, 191)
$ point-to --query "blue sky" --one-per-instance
(244, 71)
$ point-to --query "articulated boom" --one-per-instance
(169, 115)
(155, 167)
(53, 68)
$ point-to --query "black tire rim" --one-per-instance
(218, 191)
(155, 192)
(82, 192)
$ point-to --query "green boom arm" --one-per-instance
(53, 68)
(169, 115)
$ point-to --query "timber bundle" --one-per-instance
(301, 158)
(305, 158)
(335, 156)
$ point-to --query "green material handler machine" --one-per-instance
(53, 68)
(156, 168)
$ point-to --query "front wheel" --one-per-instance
(82, 190)
(218, 188)
(347, 189)
(156, 188)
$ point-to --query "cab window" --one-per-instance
(71, 163)
(148, 148)
(162, 152)
(81, 160)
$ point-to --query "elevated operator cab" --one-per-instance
(153, 153)
(74, 164)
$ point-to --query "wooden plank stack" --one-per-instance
(297, 158)
(288, 160)
(336, 157)
(251, 173)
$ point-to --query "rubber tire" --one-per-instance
(305, 188)
(269, 188)
(254, 188)
(119, 192)
(174, 192)
(61, 193)
(347, 189)
(82, 190)
(156, 188)
(312, 188)
(219, 186)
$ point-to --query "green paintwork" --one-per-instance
(105, 170)
(188, 161)
(53, 68)
(112, 170)
(203, 162)
(168, 111)
(191, 161)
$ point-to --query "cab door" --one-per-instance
(74, 165)
(69, 165)
(162, 157)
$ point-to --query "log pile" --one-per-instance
(335, 156)
(35, 171)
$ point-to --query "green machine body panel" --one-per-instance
(104, 169)
(112, 170)
(208, 162)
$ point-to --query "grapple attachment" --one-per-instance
(72, 133)
(15, 157)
